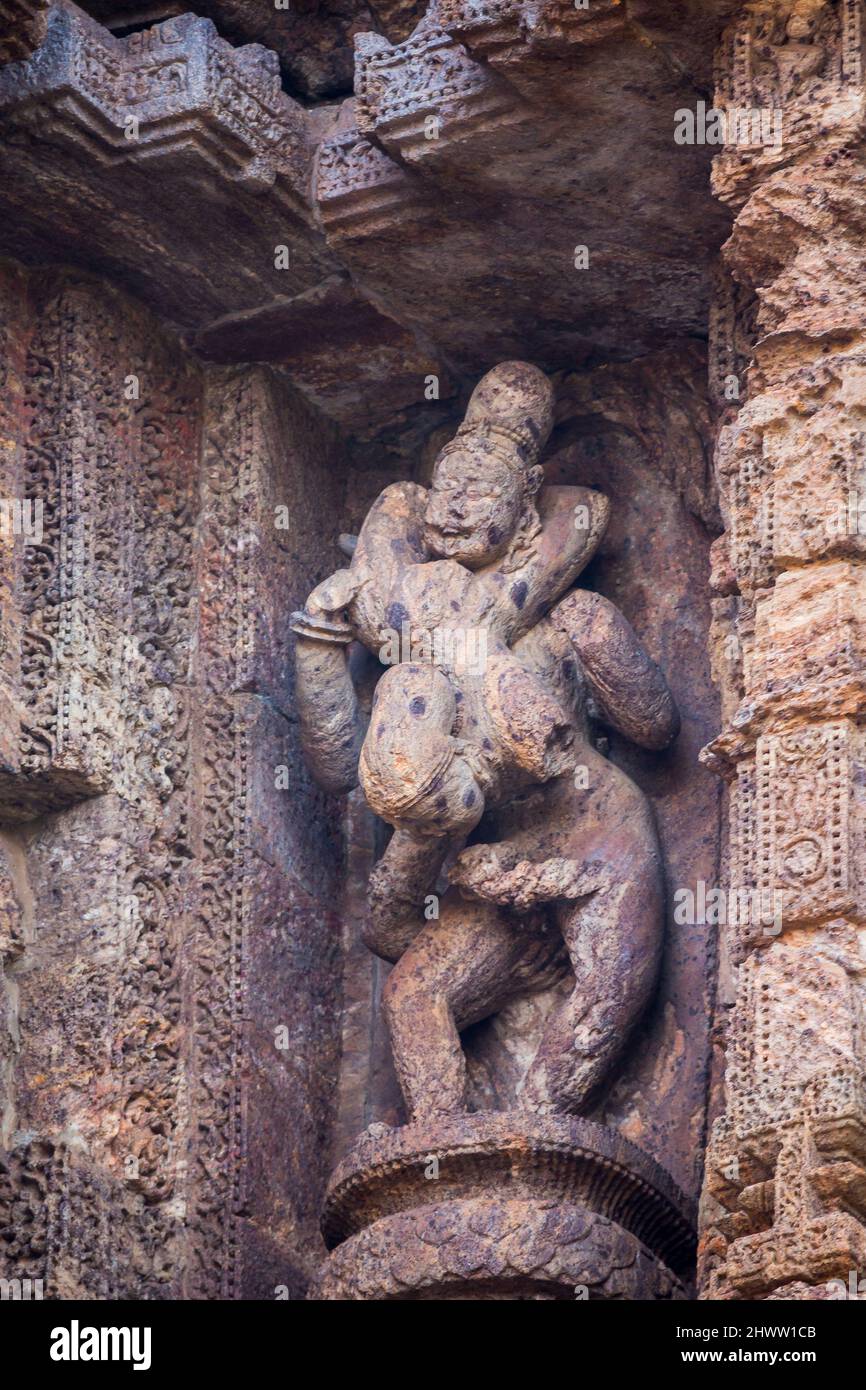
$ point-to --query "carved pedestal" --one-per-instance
(503, 1206)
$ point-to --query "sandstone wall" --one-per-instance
(171, 986)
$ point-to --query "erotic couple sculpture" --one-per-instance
(563, 869)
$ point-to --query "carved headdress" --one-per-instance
(512, 403)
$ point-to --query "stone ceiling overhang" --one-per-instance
(429, 225)
(313, 39)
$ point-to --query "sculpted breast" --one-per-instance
(430, 596)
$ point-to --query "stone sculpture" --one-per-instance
(489, 735)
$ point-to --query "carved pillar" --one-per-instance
(262, 982)
(168, 997)
(785, 1196)
(100, 434)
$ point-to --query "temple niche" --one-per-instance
(430, 573)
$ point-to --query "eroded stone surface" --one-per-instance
(785, 1192)
(423, 193)
(161, 897)
(482, 721)
(144, 923)
(500, 1206)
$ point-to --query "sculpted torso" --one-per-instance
(482, 729)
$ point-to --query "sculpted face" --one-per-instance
(475, 503)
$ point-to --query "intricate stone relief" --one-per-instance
(134, 1013)
(800, 825)
(786, 1161)
(486, 27)
(106, 602)
(256, 905)
(478, 557)
(66, 650)
(507, 32)
(793, 465)
(557, 1209)
(171, 902)
(786, 1167)
(360, 189)
(170, 91)
(230, 479)
(427, 93)
(801, 60)
(779, 49)
(73, 587)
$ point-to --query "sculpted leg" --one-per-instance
(457, 971)
(614, 941)
(398, 885)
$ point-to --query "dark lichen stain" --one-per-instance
(469, 797)
(397, 615)
(417, 706)
(518, 593)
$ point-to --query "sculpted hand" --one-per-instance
(322, 618)
(494, 874)
(333, 594)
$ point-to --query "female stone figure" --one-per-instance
(569, 869)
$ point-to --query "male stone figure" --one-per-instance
(568, 872)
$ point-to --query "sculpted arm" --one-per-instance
(629, 688)
(498, 874)
(398, 887)
(350, 605)
(330, 722)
